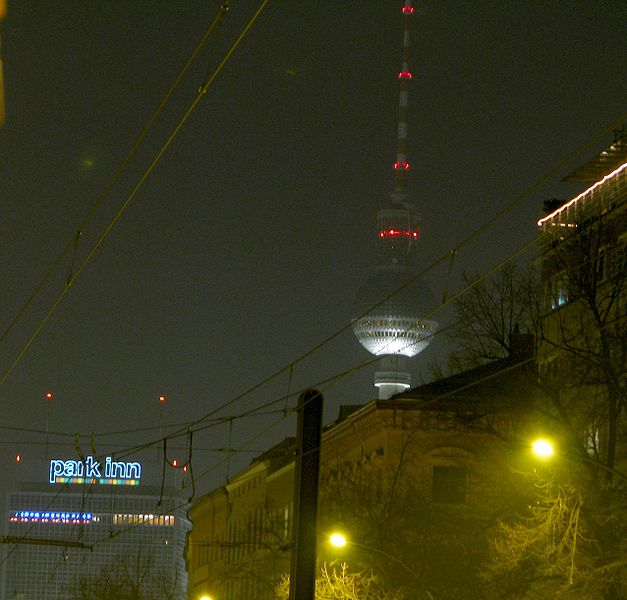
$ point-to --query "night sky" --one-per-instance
(245, 247)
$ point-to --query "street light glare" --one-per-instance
(543, 448)
(338, 540)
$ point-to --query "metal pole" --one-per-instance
(303, 567)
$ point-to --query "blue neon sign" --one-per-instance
(41, 516)
(91, 470)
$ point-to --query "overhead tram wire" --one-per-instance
(72, 243)
(335, 378)
(370, 360)
(328, 382)
(254, 438)
(199, 95)
(323, 384)
(435, 263)
(332, 380)
(283, 417)
(476, 233)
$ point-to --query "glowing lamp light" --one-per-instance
(408, 10)
(405, 75)
(338, 540)
(162, 399)
(543, 448)
(185, 469)
(18, 458)
(175, 463)
(48, 395)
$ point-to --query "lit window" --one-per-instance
(557, 291)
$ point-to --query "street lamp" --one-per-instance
(205, 597)
(339, 540)
(543, 448)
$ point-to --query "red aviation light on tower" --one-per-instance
(405, 75)
(401, 164)
(407, 10)
(392, 233)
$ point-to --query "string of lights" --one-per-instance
(437, 262)
(207, 422)
(330, 382)
(282, 398)
(434, 264)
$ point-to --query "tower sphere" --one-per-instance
(396, 324)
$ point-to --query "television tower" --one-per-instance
(389, 309)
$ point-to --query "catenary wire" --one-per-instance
(485, 275)
(431, 401)
(438, 261)
(104, 193)
(476, 233)
(329, 382)
(199, 96)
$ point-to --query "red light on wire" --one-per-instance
(18, 458)
(185, 469)
(48, 395)
(162, 399)
(175, 463)
(408, 10)
(401, 164)
(405, 75)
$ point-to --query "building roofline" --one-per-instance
(581, 196)
(604, 163)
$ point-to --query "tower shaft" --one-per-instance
(402, 166)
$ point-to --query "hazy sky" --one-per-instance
(246, 246)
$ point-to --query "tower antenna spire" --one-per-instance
(402, 166)
(389, 309)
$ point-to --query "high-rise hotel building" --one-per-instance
(89, 521)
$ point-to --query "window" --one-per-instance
(557, 291)
(449, 485)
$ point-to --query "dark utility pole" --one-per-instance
(303, 569)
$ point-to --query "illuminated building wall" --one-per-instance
(239, 545)
(583, 250)
(112, 523)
